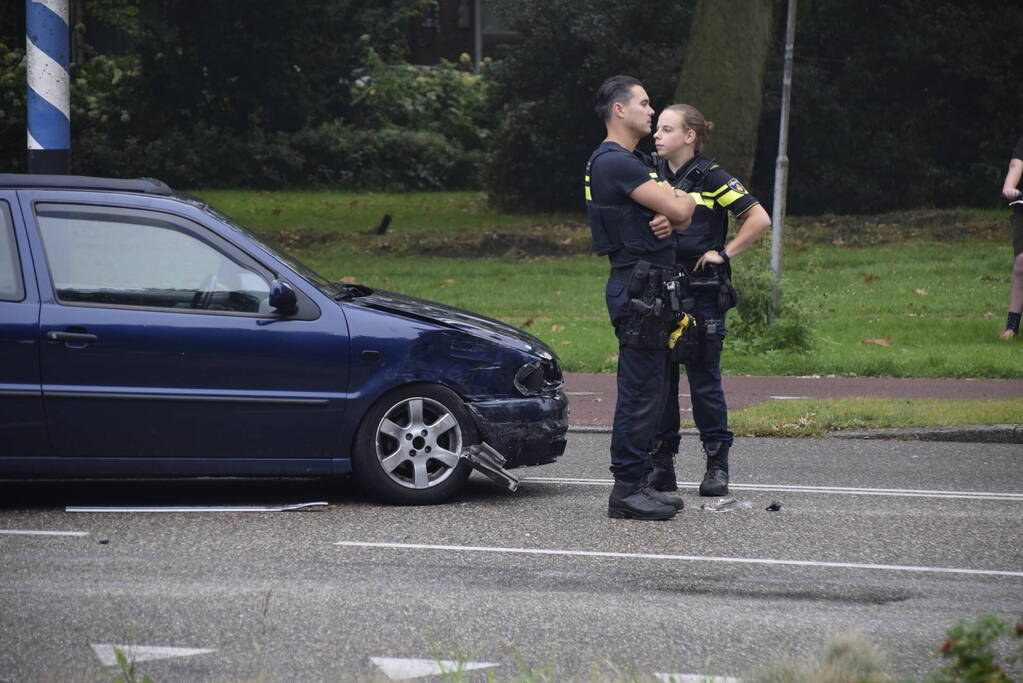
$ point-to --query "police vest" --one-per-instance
(622, 228)
(708, 230)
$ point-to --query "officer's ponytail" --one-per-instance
(694, 121)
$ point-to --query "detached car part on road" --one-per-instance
(143, 333)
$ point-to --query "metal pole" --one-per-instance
(477, 31)
(49, 100)
(781, 167)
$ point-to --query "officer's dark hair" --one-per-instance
(614, 89)
(694, 121)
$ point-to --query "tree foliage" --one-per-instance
(896, 104)
(542, 91)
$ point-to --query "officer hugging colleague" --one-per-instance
(662, 222)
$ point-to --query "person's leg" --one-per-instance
(710, 411)
(1016, 287)
(641, 384)
(667, 438)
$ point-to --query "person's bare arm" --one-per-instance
(674, 207)
(1012, 177)
(753, 223)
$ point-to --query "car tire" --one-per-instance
(408, 448)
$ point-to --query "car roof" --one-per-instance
(81, 182)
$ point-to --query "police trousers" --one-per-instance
(642, 387)
(710, 411)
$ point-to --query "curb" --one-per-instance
(1007, 433)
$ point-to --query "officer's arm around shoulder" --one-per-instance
(663, 199)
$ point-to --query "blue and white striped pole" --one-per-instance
(49, 86)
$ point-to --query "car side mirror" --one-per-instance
(282, 297)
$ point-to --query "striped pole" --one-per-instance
(49, 86)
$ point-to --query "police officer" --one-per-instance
(1011, 192)
(632, 217)
(702, 253)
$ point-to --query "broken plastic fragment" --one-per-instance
(725, 505)
(774, 506)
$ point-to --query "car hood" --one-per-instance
(472, 323)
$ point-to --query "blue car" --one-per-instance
(143, 333)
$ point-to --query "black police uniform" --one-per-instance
(717, 194)
(621, 229)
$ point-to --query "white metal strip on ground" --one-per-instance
(106, 652)
(192, 508)
(844, 490)
(685, 558)
(32, 532)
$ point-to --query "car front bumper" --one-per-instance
(526, 431)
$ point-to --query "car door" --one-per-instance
(160, 346)
(22, 424)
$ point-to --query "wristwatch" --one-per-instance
(724, 255)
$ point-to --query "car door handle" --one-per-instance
(79, 337)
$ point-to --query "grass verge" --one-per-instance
(815, 418)
(908, 294)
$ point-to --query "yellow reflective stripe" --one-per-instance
(701, 201)
(716, 192)
(729, 197)
(589, 197)
(586, 184)
(653, 175)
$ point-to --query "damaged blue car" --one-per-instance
(143, 333)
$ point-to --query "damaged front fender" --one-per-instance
(527, 431)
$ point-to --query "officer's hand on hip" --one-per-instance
(709, 257)
(661, 226)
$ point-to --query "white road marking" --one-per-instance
(400, 669)
(32, 532)
(143, 653)
(685, 558)
(695, 678)
(191, 508)
(843, 490)
(789, 398)
(584, 393)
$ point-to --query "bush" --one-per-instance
(748, 329)
(444, 99)
(969, 650)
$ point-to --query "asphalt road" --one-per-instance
(896, 540)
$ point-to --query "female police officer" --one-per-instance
(702, 252)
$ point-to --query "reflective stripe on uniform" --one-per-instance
(702, 200)
(724, 196)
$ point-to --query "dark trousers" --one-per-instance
(642, 386)
(710, 412)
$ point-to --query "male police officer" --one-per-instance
(631, 217)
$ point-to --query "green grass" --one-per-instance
(814, 418)
(927, 310)
(910, 294)
(353, 212)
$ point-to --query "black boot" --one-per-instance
(662, 478)
(667, 498)
(633, 499)
(715, 481)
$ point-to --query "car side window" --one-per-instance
(130, 257)
(12, 286)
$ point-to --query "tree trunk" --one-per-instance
(723, 76)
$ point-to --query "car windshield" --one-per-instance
(331, 289)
